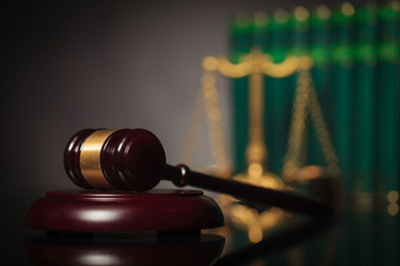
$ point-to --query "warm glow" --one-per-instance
(324, 12)
(210, 63)
(314, 171)
(270, 218)
(272, 182)
(255, 170)
(255, 234)
(393, 209)
(395, 5)
(393, 196)
(348, 9)
(301, 13)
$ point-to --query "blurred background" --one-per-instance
(69, 65)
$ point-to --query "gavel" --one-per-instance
(134, 160)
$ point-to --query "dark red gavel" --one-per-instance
(134, 159)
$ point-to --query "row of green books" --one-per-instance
(356, 65)
(356, 74)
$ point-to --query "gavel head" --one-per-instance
(124, 159)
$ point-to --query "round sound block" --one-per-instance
(116, 211)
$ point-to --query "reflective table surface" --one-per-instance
(363, 238)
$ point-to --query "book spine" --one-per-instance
(262, 32)
(388, 133)
(320, 45)
(343, 97)
(365, 100)
(343, 120)
(365, 130)
(279, 93)
(388, 100)
(241, 40)
(319, 50)
(299, 45)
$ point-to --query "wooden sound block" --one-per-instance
(117, 211)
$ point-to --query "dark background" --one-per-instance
(69, 65)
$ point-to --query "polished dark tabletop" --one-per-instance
(362, 237)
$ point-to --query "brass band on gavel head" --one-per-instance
(89, 159)
(124, 159)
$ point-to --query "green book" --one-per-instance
(299, 45)
(365, 128)
(262, 39)
(343, 93)
(320, 48)
(261, 30)
(278, 99)
(241, 41)
(388, 132)
(279, 93)
(299, 29)
(365, 99)
(357, 77)
(342, 130)
(388, 100)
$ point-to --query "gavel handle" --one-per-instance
(181, 175)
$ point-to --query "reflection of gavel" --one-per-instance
(134, 159)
